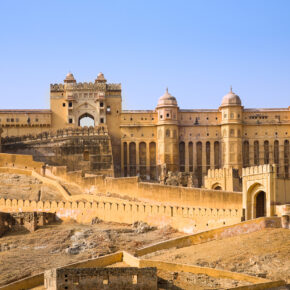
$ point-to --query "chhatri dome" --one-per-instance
(69, 78)
(231, 99)
(167, 100)
(100, 77)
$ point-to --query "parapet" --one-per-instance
(86, 86)
(261, 169)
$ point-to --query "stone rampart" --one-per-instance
(186, 219)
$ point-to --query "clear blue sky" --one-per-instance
(196, 48)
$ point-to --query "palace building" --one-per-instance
(144, 141)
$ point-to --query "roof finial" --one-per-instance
(166, 89)
(231, 89)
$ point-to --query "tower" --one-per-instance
(167, 132)
(231, 131)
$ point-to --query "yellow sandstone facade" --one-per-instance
(144, 142)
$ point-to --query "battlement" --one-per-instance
(85, 86)
(221, 172)
(266, 168)
(182, 218)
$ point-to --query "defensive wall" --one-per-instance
(223, 179)
(186, 219)
(140, 262)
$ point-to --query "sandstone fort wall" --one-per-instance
(186, 219)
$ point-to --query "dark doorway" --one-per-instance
(261, 204)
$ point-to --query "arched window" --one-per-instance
(216, 154)
(276, 152)
(207, 149)
(199, 163)
(190, 155)
(142, 159)
(132, 158)
(246, 156)
(266, 152)
(167, 133)
(125, 158)
(286, 158)
(256, 153)
(152, 152)
(182, 156)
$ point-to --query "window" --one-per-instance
(134, 279)
(167, 115)
(70, 104)
(161, 116)
(17, 119)
(36, 119)
(101, 104)
(63, 104)
(8, 120)
(86, 155)
(108, 109)
(12, 119)
(102, 120)
(70, 120)
(225, 115)
(232, 115)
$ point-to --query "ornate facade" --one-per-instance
(144, 141)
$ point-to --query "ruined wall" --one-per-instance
(87, 149)
(101, 278)
(17, 221)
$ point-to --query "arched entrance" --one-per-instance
(261, 204)
(86, 120)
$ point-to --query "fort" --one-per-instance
(210, 174)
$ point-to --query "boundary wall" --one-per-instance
(214, 234)
(185, 219)
(130, 186)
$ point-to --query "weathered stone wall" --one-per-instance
(87, 149)
(101, 278)
(24, 220)
(185, 218)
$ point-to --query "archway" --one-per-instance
(217, 186)
(261, 204)
(86, 120)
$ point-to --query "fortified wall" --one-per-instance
(223, 179)
(87, 149)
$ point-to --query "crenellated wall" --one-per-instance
(223, 179)
(186, 219)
